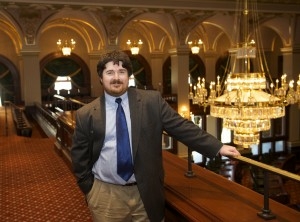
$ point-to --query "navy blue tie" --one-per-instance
(124, 159)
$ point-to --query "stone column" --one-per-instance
(210, 58)
(157, 72)
(179, 81)
(96, 87)
(30, 77)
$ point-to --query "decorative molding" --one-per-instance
(29, 20)
(180, 50)
(187, 20)
(263, 5)
(288, 50)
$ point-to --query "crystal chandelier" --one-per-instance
(134, 46)
(195, 46)
(244, 98)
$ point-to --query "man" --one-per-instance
(95, 150)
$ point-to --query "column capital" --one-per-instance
(95, 55)
(295, 49)
(156, 55)
(180, 50)
(30, 52)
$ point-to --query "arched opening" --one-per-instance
(71, 66)
(196, 68)
(10, 89)
(141, 71)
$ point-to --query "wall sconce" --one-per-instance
(184, 112)
(195, 46)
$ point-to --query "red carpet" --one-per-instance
(36, 184)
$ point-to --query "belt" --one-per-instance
(130, 184)
(126, 184)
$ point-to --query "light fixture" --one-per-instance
(244, 98)
(131, 82)
(195, 46)
(134, 46)
(184, 111)
(63, 83)
(66, 45)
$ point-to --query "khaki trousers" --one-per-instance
(115, 203)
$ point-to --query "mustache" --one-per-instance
(116, 81)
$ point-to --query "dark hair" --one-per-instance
(115, 57)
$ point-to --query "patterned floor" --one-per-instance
(35, 183)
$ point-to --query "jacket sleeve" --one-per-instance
(81, 152)
(188, 133)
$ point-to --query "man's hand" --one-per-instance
(227, 150)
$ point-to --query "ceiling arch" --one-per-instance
(155, 29)
(282, 26)
(10, 29)
(86, 28)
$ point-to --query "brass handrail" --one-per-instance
(266, 212)
(268, 168)
(14, 105)
(59, 97)
(77, 101)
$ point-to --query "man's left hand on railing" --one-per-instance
(227, 150)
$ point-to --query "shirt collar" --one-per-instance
(112, 100)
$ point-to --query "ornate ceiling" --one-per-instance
(100, 23)
(228, 5)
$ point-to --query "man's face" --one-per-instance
(115, 79)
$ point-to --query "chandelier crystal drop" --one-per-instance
(244, 98)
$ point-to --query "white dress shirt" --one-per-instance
(105, 168)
